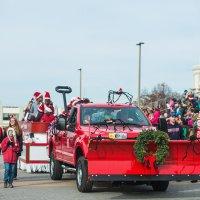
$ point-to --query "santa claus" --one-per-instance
(47, 108)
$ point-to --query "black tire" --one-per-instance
(56, 170)
(82, 181)
(160, 185)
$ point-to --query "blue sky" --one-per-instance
(44, 42)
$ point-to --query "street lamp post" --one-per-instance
(139, 73)
(80, 82)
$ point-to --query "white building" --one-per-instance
(196, 78)
(6, 111)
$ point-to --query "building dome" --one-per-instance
(196, 68)
(196, 77)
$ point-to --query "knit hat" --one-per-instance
(11, 132)
(37, 95)
(47, 95)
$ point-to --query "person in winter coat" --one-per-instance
(1, 134)
(155, 119)
(10, 148)
(47, 109)
(33, 111)
(13, 123)
(173, 129)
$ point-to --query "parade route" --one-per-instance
(99, 100)
(40, 186)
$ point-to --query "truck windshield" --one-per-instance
(125, 115)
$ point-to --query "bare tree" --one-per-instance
(158, 96)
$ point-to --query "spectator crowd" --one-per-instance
(180, 118)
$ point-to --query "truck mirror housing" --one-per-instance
(61, 124)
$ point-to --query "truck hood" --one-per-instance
(107, 132)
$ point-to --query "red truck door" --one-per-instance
(58, 145)
(69, 138)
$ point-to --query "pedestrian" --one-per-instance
(13, 123)
(10, 148)
(1, 137)
(1, 134)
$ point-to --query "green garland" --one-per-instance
(160, 138)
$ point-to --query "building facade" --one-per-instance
(196, 78)
(7, 111)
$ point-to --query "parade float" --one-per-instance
(35, 141)
(38, 115)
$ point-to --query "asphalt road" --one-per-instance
(40, 187)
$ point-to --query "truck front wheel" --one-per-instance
(56, 170)
(160, 185)
(82, 181)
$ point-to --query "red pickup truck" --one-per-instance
(97, 142)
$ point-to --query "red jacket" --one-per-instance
(48, 113)
(1, 134)
(155, 119)
(9, 151)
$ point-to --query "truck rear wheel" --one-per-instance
(56, 170)
(82, 181)
(160, 185)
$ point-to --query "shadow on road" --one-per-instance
(184, 190)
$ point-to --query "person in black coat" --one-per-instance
(173, 129)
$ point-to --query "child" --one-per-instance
(13, 123)
(10, 148)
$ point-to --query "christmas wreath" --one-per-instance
(152, 143)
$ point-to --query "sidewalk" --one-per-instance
(23, 176)
(34, 186)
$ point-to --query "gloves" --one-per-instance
(9, 143)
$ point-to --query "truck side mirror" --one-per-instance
(61, 124)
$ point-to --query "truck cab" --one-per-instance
(72, 136)
(76, 138)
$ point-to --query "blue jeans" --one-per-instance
(9, 172)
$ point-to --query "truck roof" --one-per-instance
(107, 105)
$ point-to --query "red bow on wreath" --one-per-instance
(150, 162)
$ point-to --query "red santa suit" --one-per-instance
(48, 110)
(48, 115)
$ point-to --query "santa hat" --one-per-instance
(37, 95)
(47, 95)
(73, 101)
